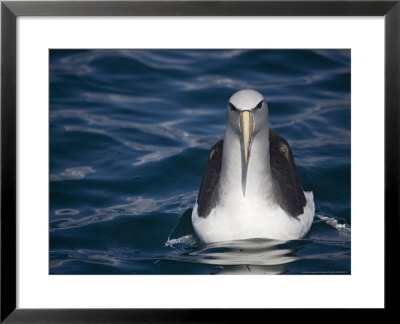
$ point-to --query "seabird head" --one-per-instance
(247, 115)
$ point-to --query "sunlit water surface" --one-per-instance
(130, 132)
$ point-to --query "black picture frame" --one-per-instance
(10, 10)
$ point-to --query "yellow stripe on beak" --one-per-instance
(246, 126)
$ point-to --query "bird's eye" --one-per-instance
(260, 104)
(232, 107)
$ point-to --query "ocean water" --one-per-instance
(130, 132)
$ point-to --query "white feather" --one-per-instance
(245, 218)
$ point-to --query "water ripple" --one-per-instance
(130, 132)
(136, 206)
(72, 173)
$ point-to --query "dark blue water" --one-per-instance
(130, 132)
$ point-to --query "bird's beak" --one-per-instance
(246, 126)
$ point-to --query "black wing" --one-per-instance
(284, 171)
(206, 199)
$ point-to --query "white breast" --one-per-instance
(242, 218)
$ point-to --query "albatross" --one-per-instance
(250, 187)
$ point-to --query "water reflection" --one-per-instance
(72, 173)
(135, 206)
(252, 256)
(241, 256)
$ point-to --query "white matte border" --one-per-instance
(37, 289)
